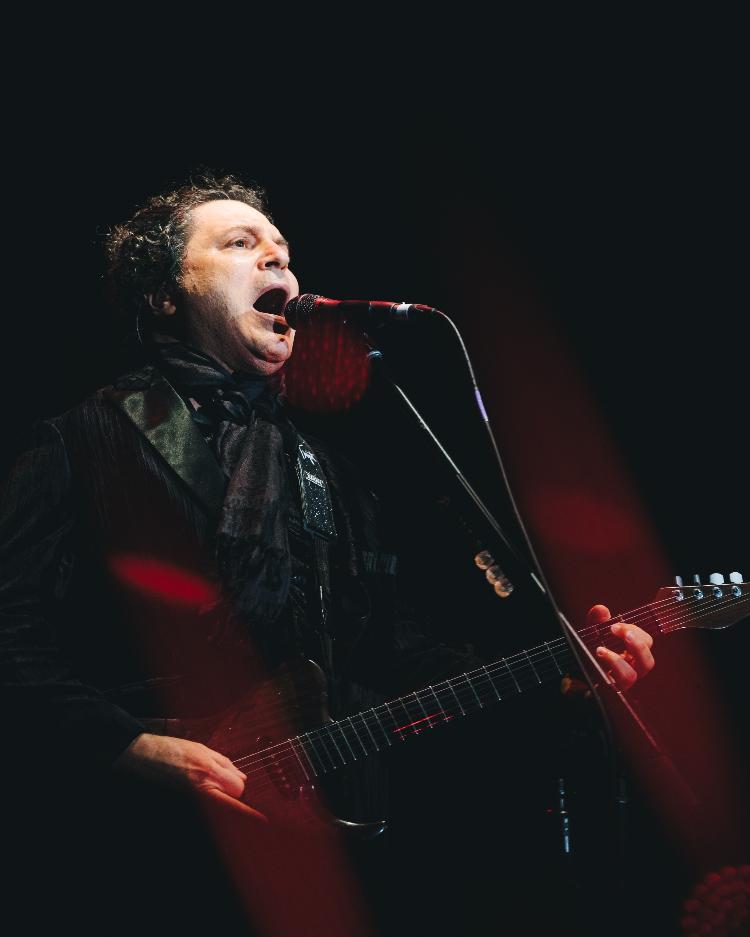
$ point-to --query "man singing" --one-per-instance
(167, 546)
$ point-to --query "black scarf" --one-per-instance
(244, 421)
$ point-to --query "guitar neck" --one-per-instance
(353, 738)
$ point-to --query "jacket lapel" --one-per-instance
(158, 411)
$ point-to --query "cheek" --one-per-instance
(193, 278)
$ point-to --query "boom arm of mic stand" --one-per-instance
(578, 648)
(376, 357)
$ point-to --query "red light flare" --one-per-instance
(329, 370)
(292, 884)
(593, 537)
(155, 577)
(427, 719)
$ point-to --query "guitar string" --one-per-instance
(520, 662)
(405, 703)
(259, 785)
(540, 652)
(547, 650)
(527, 658)
(462, 696)
(258, 779)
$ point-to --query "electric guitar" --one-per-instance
(261, 733)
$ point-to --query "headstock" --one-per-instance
(715, 604)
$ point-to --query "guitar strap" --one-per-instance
(317, 511)
(318, 521)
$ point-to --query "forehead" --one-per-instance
(215, 217)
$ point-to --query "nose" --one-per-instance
(274, 255)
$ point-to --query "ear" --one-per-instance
(161, 302)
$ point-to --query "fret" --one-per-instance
(393, 719)
(446, 717)
(380, 725)
(327, 727)
(315, 752)
(531, 664)
(449, 700)
(552, 655)
(369, 731)
(340, 726)
(471, 687)
(450, 687)
(424, 711)
(492, 682)
(409, 724)
(294, 750)
(512, 675)
(356, 735)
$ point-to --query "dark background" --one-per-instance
(611, 213)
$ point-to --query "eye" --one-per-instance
(239, 242)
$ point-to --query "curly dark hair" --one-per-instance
(146, 252)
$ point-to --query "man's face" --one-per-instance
(235, 281)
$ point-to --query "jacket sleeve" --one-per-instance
(48, 711)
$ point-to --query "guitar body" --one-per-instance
(258, 735)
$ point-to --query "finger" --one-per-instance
(640, 650)
(226, 762)
(623, 674)
(597, 614)
(229, 780)
(621, 629)
(219, 797)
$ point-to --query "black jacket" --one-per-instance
(108, 573)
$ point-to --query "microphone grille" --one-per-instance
(298, 311)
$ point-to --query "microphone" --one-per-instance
(302, 310)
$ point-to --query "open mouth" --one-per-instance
(271, 302)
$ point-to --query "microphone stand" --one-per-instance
(534, 572)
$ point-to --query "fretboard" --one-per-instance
(344, 741)
(353, 738)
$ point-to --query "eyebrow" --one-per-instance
(251, 229)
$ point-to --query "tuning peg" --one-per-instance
(678, 581)
(716, 579)
(484, 559)
(503, 587)
(499, 581)
(735, 577)
(696, 579)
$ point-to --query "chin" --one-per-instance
(267, 366)
(278, 354)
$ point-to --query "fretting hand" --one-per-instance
(633, 663)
